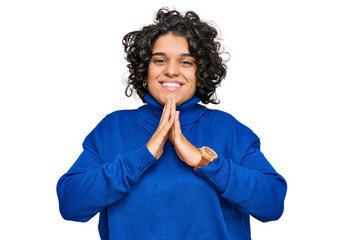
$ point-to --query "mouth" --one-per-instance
(171, 86)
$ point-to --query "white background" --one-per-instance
(294, 78)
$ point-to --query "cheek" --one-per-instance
(150, 73)
(191, 76)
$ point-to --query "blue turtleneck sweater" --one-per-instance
(140, 197)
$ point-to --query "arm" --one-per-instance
(90, 185)
(246, 179)
(253, 186)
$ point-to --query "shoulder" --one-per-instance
(111, 123)
(114, 119)
(228, 124)
(219, 115)
(120, 114)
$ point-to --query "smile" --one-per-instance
(171, 85)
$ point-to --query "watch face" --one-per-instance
(210, 152)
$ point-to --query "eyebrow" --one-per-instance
(164, 54)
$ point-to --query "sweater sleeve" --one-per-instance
(247, 180)
(91, 185)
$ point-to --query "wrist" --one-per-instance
(201, 163)
(207, 156)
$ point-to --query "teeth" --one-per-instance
(174, 85)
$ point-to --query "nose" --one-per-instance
(172, 69)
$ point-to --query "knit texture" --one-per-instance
(140, 197)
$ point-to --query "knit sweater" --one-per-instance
(140, 197)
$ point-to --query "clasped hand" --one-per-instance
(169, 128)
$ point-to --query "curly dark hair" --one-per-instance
(203, 46)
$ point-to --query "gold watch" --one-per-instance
(207, 156)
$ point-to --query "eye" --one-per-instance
(184, 62)
(159, 61)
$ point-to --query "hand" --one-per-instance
(158, 139)
(187, 152)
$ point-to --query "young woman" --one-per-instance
(172, 169)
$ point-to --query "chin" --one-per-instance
(161, 100)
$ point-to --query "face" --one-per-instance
(172, 70)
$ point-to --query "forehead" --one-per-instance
(171, 44)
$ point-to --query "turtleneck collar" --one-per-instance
(190, 111)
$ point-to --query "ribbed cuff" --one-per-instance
(139, 160)
(216, 173)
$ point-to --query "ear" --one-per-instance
(145, 81)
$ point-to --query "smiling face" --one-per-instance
(172, 70)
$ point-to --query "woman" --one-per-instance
(172, 169)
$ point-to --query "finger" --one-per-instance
(177, 126)
(170, 114)
(165, 127)
(170, 122)
(165, 113)
(165, 107)
(171, 135)
(175, 131)
(168, 99)
(173, 106)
